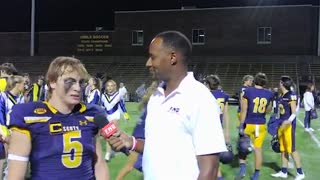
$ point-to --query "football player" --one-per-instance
(37, 92)
(255, 103)
(247, 81)
(57, 137)
(286, 132)
(213, 84)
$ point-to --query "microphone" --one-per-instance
(107, 128)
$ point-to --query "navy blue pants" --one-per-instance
(307, 119)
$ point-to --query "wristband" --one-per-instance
(18, 158)
(292, 117)
(134, 144)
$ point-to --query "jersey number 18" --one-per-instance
(260, 105)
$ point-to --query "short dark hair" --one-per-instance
(9, 68)
(177, 41)
(261, 79)
(286, 82)
(213, 81)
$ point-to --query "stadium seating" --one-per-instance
(132, 70)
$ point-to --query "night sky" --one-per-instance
(85, 15)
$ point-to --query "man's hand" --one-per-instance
(241, 129)
(120, 140)
(286, 123)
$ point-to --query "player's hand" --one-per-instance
(229, 146)
(241, 129)
(126, 116)
(4, 133)
(120, 140)
(286, 123)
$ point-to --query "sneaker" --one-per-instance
(307, 129)
(107, 156)
(299, 176)
(242, 173)
(280, 174)
(310, 129)
(253, 177)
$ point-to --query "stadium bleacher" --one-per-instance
(132, 70)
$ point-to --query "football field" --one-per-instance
(307, 144)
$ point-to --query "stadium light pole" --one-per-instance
(33, 9)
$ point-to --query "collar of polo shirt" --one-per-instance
(184, 85)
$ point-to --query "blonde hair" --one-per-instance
(110, 81)
(150, 90)
(247, 78)
(13, 81)
(62, 65)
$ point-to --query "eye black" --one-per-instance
(70, 81)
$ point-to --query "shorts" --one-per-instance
(257, 133)
(287, 138)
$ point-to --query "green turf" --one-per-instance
(307, 148)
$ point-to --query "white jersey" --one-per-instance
(113, 103)
(93, 96)
(7, 101)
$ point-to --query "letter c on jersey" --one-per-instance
(55, 128)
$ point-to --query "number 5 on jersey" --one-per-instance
(69, 159)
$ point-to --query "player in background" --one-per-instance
(94, 93)
(135, 159)
(6, 70)
(247, 81)
(37, 92)
(57, 137)
(213, 83)
(287, 130)
(113, 103)
(256, 101)
(9, 98)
